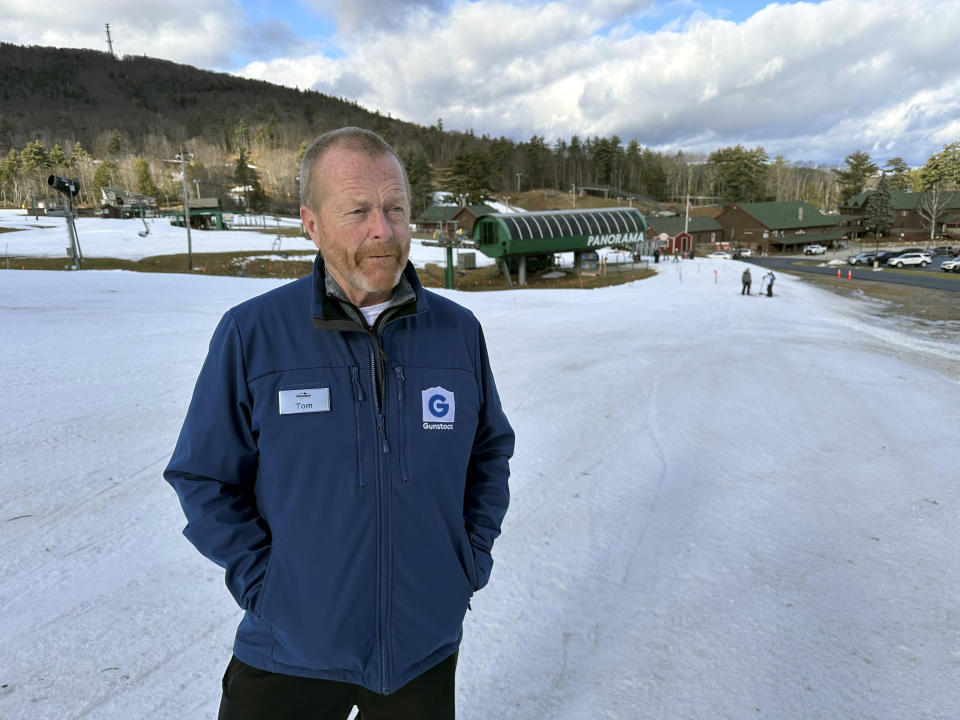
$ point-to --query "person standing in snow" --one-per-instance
(345, 458)
(745, 278)
(770, 278)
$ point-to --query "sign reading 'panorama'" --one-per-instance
(615, 239)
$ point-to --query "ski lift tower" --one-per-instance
(69, 190)
(449, 242)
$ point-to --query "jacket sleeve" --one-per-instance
(487, 493)
(214, 467)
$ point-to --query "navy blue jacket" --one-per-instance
(355, 526)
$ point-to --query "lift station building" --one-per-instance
(512, 238)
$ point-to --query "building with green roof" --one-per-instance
(437, 217)
(777, 227)
(907, 219)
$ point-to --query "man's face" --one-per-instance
(363, 224)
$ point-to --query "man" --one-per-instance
(770, 279)
(747, 280)
(345, 459)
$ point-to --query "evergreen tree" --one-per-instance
(654, 176)
(35, 164)
(105, 176)
(77, 155)
(145, 184)
(853, 179)
(418, 175)
(633, 161)
(943, 168)
(741, 173)
(536, 152)
(248, 179)
(470, 173)
(57, 158)
(603, 160)
(576, 160)
(501, 152)
(115, 145)
(879, 210)
(34, 156)
(898, 173)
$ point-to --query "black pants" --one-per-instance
(746, 289)
(253, 694)
(770, 290)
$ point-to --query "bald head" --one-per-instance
(353, 139)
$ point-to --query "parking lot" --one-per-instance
(931, 277)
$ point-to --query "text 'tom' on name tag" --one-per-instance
(306, 400)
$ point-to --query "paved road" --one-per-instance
(932, 278)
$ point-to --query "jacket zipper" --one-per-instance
(402, 397)
(383, 492)
(358, 409)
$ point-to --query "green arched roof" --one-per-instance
(567, 223)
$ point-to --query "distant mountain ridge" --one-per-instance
(66, 95)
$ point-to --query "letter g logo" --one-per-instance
(438, 404)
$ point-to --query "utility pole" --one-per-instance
(197, 183)
(109, 41)
(519, 173)
(182, 157)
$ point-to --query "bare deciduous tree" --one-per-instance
(931, 205)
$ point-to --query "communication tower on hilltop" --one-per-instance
(109, 41)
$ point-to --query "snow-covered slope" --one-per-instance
(112, 238)
(723, 506)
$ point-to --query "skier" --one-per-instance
(770, 278)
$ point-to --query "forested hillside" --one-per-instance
(113, 121)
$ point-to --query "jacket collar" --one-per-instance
(330, 305)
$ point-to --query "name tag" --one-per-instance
(307, 400)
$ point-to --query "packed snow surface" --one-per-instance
(722, 506)
(113, 238)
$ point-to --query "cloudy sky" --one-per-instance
(812, 81)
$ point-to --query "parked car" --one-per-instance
(910, 258)
(742, 253)
(951, 265)
(885, 255)
(814, 250)
(864, 258)
(943, 250)
(720, 254)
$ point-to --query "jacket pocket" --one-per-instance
(470, 565)
(482, 565)
(437, 417)
(259, 600)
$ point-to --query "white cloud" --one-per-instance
(205, 33)
(813, 81)
(807, 80)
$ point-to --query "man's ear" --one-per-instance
(309, 220)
